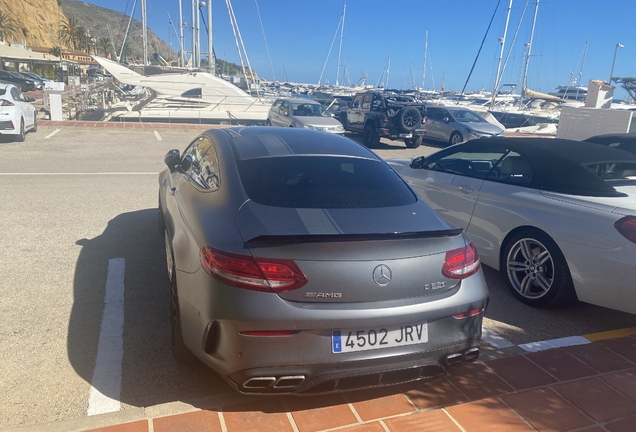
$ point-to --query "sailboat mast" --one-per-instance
(424, 68)
(340, 47)
(182, 54)
(525, 70)
(503, 42)
(144, 27)
(194, 34)
(211, 59)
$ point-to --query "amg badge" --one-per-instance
(322, 295)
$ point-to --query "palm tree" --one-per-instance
(8, 27)
(70, 31)
(55, 51)
(105, 45)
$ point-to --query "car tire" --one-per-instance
(35, 124)
(536, 271)
(343, 119)
(269, 122)
(408, 119)
(22, 136)
(455, 138)
(180, 351)
(370, 136)
(413, 143)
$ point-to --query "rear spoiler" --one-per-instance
(327, 238)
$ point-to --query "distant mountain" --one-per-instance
(98, 20)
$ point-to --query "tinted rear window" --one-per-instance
(323, 182)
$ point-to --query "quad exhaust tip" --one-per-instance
(458, 358)
(284, 382)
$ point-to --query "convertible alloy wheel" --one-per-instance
(536, 271)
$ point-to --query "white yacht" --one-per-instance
(191, 97)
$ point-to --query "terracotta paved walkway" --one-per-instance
(588, 387)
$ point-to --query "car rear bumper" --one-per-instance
(213, 316)
(392, 133)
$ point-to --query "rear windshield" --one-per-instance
(323, 182)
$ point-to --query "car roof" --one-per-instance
(298, 100)
(558, 164)
(257, 142)
(612, 138)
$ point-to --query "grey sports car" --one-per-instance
(300, 262)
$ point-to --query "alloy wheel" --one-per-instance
(530, 268)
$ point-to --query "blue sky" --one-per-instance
(299, 34)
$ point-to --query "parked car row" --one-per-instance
(379, 114)
(26, 81)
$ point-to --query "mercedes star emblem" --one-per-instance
(382, 275)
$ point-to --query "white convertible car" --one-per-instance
(556, 217)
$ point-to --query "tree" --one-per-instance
(8, 27)
(55, 51)
(105, 45)
(70, 32)
(628, 84)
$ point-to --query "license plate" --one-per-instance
(409, 135)
(351, 340)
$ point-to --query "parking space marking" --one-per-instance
(494, 340)
(104, 395)
(52, 133)
(158, 136)
(610, 334)
(554, 343)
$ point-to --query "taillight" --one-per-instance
(4, 102)
(461, 263)
(259, 274)
(627, 227)
(469, 314)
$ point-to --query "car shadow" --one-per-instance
(518, 322)
(150, 375)
(385, 144)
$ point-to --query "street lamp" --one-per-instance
(614, 61)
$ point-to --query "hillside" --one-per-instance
(36, 21)
(97, 19)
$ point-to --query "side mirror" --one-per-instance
(418, 162)
(172, 159)
(356, 104)
(186, 163)
(446, 119)
(31, 99)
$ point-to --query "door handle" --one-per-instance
(173, 190)
(466, 189)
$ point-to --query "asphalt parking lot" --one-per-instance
(75, 198)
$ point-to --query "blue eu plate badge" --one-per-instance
(336, 341)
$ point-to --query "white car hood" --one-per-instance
(317, 121)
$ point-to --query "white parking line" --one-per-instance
(157, 136)
(105, 389)
(52, 133)
(494, 340)
(554, 343)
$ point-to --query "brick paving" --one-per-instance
(589, 388)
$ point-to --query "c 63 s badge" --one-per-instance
(434, 286)
(322, 295)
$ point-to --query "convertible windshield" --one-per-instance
(308, 110)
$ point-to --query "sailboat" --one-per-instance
(538, 107)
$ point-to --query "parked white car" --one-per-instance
(302, 113)
(17, 115)
(556, 217)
